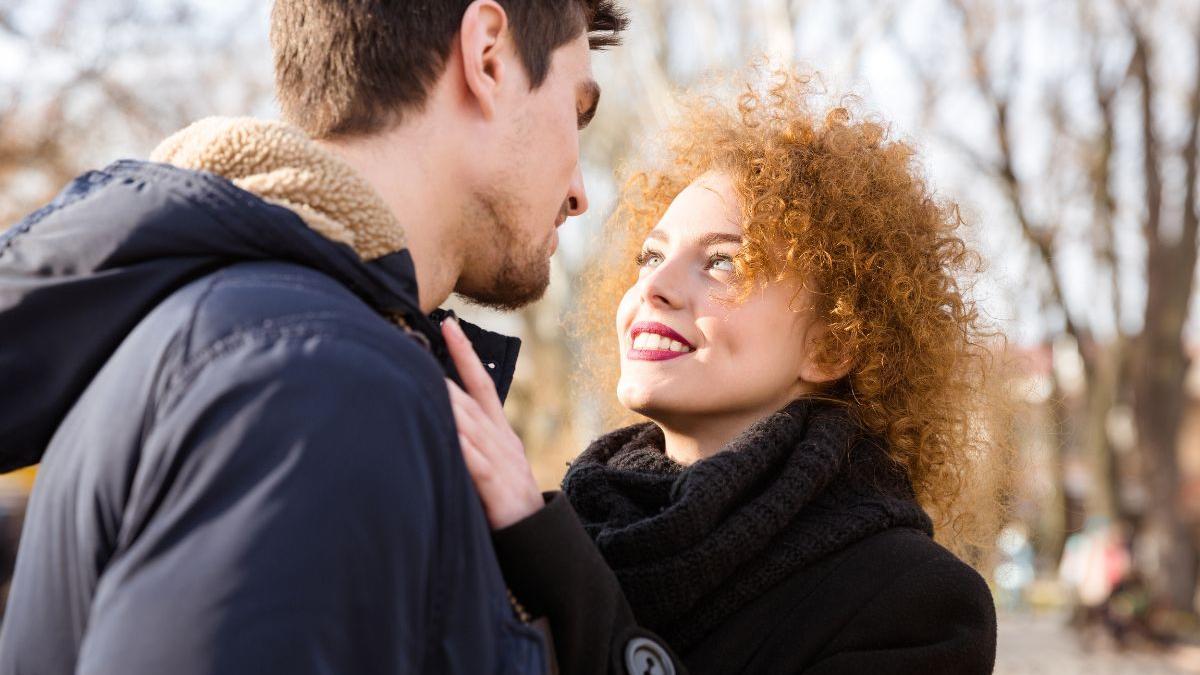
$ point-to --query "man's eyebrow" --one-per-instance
(590, 92)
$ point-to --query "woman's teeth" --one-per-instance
(655, 342)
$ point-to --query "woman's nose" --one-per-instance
(665, 285)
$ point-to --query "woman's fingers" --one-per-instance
(494, 455)
(498, 443)
(471, 437)
(471, 420)
(477, 463)
(478, 383)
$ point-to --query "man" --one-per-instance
(224, 360)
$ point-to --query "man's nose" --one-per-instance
(577, 201)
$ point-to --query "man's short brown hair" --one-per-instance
(353, 67)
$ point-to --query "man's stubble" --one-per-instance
(504, 270)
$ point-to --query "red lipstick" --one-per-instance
(658, 353)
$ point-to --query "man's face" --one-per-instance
(530, 181)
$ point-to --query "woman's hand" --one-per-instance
(494, 454)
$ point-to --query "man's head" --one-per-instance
(503, 86)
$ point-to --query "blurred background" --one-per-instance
(1067, 130)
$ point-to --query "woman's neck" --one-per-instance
(692, 439)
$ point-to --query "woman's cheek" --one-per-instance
(625, 311)
(739, 345)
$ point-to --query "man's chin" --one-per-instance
(502, 303)
(506, 295)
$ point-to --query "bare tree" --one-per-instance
(156, 70)
(1095, 115)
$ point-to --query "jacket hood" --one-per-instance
(77, 275)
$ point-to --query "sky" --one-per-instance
(853, 53)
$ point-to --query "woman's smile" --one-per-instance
(653, 341)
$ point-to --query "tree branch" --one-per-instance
(1039, 235)
(1151, 151)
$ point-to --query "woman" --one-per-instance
(793, 330)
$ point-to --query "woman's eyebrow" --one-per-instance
(710, 239)
(713, 238)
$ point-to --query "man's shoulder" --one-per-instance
(274, 301)
(267, 357)
(133, 190)
(274, 324)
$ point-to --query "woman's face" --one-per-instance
(686, 349)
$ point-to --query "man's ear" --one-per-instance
(481, 37)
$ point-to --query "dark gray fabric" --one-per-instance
(693, 545)
(891, 602)
(246, 467)
(894, 603)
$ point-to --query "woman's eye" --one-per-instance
(721, 263)
(649, 258)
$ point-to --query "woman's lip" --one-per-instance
(653, 354)
(658, 329)
(655, 328)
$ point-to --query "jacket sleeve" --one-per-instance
(938, 617)
(554, 569)
(283, 518)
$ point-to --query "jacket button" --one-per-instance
(646, 657)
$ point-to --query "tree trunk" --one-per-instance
(1159, 392)
(1103, 379)
(1158, 408)
(1066, 514)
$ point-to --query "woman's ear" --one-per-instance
(481, 37)
(811, 369)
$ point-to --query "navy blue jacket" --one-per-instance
(245, 467)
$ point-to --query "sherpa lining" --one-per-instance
(280, 164)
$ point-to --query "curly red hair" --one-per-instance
(830, 201)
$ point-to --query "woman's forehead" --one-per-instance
(706, 206)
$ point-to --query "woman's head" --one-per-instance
(845, 282)
(690, 347)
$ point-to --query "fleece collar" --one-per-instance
(281, 165)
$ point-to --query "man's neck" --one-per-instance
(415, 177)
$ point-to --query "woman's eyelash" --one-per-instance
(719, 258)
(644, 257)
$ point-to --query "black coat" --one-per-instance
(893, 603)
(247, 468)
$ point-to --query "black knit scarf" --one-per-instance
(692, 545)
